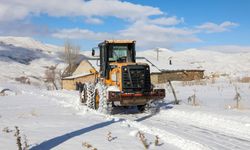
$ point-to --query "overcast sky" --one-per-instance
(222, 25)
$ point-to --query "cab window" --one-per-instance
(118, 52)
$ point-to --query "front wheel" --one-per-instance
(100, 99)
(97, 99)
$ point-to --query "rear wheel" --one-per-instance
(90, 95)
(83, 93)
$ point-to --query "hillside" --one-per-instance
(26, 57)
(233, 64)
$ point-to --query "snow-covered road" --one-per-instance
(56, 120)
(211, 138)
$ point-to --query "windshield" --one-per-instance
(118, 52)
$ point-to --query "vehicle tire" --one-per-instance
(101, 103)
(83, 93)
(150, 107)
(90, 95)
(141, 108)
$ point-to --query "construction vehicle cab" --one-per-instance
(114, 51)
(121, 81)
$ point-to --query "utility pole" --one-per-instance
(157, 53)
(172, 88)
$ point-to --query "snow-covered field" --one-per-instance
(56, 119)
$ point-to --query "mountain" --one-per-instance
(24, 57)
(234, 64)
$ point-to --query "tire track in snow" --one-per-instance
(213, 139)
(173, 135)
(209, 121)
(68, 100)
(229, 140)
(170, 138)
(210, 138)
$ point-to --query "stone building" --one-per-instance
(83, 72)
(176, 75)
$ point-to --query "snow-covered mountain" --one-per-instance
(26, 57)
(29, 43)
(234, 64)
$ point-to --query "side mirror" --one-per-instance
(93, 52)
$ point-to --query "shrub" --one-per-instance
(143, 140)
(88, 146)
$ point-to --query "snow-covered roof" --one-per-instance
(180, 67)
(77, 76)
(94, 63)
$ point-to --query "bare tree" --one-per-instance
(71, 55)
(51, 75)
